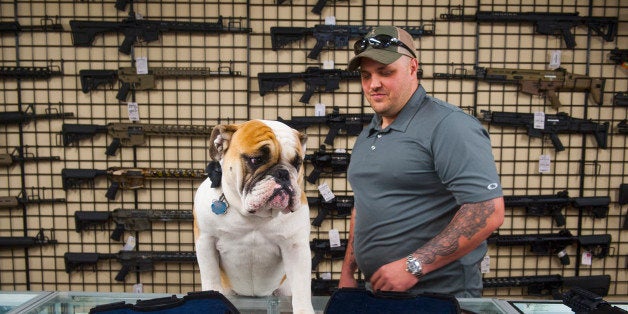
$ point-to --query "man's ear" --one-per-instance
(219, 140)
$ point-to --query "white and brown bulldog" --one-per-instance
(252, 226)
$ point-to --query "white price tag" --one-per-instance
(334, 238)
(130, 244)
(555, 59)
(325, 276)
(138, 288)
(134, 111)
(141, 65)
(330, 20)
(539, 120)
(544, 163)
(326, 192)
(586, 258)
(328, 64)
(485, 265)
(319, 110)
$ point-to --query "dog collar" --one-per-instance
(219, 206)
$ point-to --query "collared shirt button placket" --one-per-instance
(379, 135)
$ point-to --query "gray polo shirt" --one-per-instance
(409, 180)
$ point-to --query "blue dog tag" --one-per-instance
(219, 207)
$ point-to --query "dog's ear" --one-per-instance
(219, 140)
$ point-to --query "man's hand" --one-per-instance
(393, 277)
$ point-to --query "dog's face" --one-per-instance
(262, 166)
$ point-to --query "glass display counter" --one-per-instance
(13, 301)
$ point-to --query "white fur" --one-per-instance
(255, 251)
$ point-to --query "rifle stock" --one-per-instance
(551, 285)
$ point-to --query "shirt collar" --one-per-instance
(402, 121)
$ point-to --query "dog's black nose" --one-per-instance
(282, 175)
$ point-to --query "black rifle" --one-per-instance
(552, 205)
(622, 127)
(555, 244)
(315, 78)
(351, 124)
(583, 301)
(535, 82)
(339, 206)
(31, 73)
(332, 36)
(316, 9)
(620, 99)
(555, 124)
(28, 115)
(619, 56)
(329, 286)
(128, 219)
(136, 30)
(323, 249)
(23, 199)
(129, 134)
(19, 154)
(130, 80)
(546, 23)
(25, 242)
(132, 261)
(551, 285)
(126, 178)
(327, 162)
(47, 24)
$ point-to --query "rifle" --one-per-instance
(583, 301)
(550, 285)
(622, 127)
(329, 286)
(31, 73)
(555, 244)
(23, 198)
(132, 261)
(126, 178)
(620, 99)
(28, 115)
(327, 162)
(546, 23)
(555, 124)
(129, 134)
(620, 57)
(351, 124)
(317, 9)
(551, 205)
(535, 82)
(130, 80)
(332, 36)
(128, 219)
(136, 30)
(341, 205)
(322, 248)
(25, 242)
(19, 154)
(315, 78)
(46, 25)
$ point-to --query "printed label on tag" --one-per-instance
(141, 65)
(319, 110)
(586, 258)
(544, 163)
(334, 238)
(539, 120)
(134, 111)
(130, 244)
(485, 265)
(328, 64)
(555, 59)
(326, 192)
(330, 20)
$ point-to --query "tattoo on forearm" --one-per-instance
(469, 219)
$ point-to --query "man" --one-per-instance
(426, 190)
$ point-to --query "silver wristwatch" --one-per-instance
(413, 266)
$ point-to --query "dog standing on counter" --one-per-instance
(251, 218)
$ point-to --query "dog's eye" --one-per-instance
(256, 161)
(297, 162)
